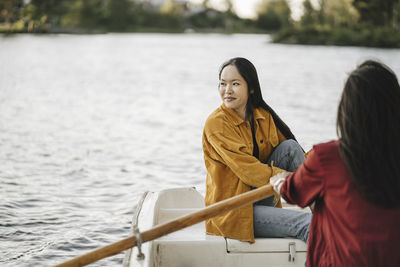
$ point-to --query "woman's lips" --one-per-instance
(229, 98)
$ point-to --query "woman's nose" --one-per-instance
(229, 89)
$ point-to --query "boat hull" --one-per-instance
(193, 247)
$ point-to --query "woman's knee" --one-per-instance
(295, 152)
(291, 146)
(288, 155)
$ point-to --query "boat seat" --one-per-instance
(264, 245)
(197, 233)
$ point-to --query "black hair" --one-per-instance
(368, 126)
(255, 100)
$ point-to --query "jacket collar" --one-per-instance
(238, 120)
(257, 114)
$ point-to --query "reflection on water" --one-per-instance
(90, 122)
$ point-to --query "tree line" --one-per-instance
(336, 22)
(116, 16)
(339, 22)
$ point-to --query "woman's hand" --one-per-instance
(277, 181)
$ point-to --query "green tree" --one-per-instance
(273, 15)
(333, 13)
(92, 14)
(171, 15)
(72, 18)
(310, 14)
(41, 15)
(206, 3)
(340, 13)
(52, 10)
(103, 15)
(207, 19)
(378, 12)
(229, 6)
(120, 15)
(171, 7)
(396, 15)
(9, 10)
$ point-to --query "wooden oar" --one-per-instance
(173, 225)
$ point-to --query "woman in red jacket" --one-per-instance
(355, 181)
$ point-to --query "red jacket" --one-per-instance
(346, 229)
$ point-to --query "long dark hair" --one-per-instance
(368, 126)
(255, 100)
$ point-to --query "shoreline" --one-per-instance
(369, 38)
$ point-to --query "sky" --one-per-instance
(246, 8)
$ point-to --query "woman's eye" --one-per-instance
(236, 84)
(222, 84)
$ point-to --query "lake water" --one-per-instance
(90, 122)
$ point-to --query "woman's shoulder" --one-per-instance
(330, 145)
(327, 150)
(216, 119)
(216, 115)
(218, 122)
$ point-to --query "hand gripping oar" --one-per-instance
(173, 225)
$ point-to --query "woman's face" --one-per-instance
(233, 90)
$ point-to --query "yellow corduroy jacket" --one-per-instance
(232, 169)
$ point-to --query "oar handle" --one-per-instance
(173, 225)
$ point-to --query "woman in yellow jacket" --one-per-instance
(245, 143)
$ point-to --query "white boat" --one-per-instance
(193, 247)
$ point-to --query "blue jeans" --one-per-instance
(272, 222)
